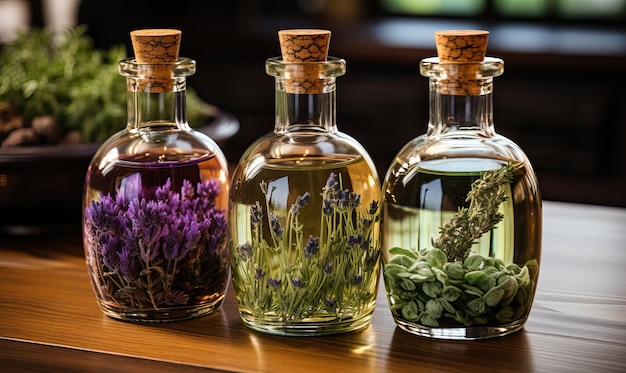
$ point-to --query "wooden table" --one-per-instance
(49, 320)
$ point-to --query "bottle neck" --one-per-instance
(161, 109)
(305, 111)
(157, 93)
(460, 113)
(461, 96)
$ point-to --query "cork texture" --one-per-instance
(156, 46)
(468, 49)
(304, 46)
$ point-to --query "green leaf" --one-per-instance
(432, 289)
(436, 258)
(451, 293)
(481, 280)
(454, 270)
(409, 311)
(494, 296)
(434, 308)
(401, 251)
(474, 262)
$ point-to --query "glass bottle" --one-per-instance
(304, 206)
(156, 198)
(461, 213)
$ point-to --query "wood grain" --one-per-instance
(49, 320)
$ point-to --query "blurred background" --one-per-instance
(561, 98)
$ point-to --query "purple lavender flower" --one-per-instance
(331, 183)
(109, 246)
(354, 200)
(163, 192)
(103, 215)
(276, 228)
(256, 214)
(355, 240)
(127, 264)
(147, 219)
(297, 282)
(275, 283)
(216, 231)
(259, 273)
(373, 207)
(327, 209)
(344, 199)
(187, 191)
(328, 268)
(141, 225)
(209, 190)
(245, 250)
(301, 201)
(358, 279)
(312, 246)
(365, 244)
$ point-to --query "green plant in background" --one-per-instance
(447, 281)
(71, 81)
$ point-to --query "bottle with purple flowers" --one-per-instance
(304, 207)
(155, 206)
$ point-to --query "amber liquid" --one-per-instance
(152, 170)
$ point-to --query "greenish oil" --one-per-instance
(279, 287)
(418, 201)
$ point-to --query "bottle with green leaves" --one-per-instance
(304, 206)
(461, 214)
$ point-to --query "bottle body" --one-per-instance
(304, 226)
(155, 215)
(461, 225)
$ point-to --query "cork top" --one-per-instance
(155, 50)
(156, 45)
(304, 45)
(461, 46)
(463, 52)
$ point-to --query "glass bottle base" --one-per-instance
(308, 328)
(161, 315)
(464, 333)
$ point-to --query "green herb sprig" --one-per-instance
(486, 194)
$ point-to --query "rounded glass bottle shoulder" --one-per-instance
(161, 146)
(148, 159)
(453, 146)
(304, 148)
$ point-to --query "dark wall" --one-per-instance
(567, 111)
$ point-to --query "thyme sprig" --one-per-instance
(466, 226)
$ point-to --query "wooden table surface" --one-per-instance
(49, 320)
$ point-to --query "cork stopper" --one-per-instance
(156, 46)
(305, 46)
(466, 49)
